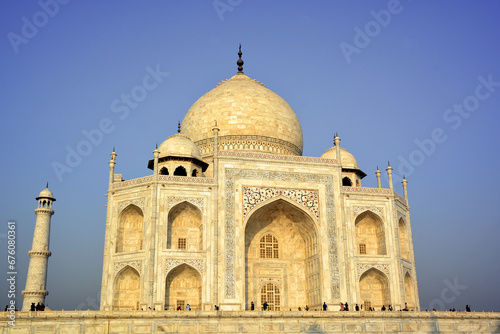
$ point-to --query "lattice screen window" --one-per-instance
(368, 305)
(270, 293)
(362, 248)
(181, 243)
(180, 303)
(269, 247)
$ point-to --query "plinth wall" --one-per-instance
(118, 322)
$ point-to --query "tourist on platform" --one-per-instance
(325, 307)
(300, 308)
(346, 307)
(467, 308)
(383, 308)
(307, 308)
(390, 307)
(188, 307)
(406, 307)
(32, 307)
(357, 307)
(341, 306)
(265, 305)
(252, 306)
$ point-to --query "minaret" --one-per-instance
(405, 189)
(389, 175)
(336, 142)
(36, 281)
(379, 183)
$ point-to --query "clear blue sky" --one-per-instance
(389, 77)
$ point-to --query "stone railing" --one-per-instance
(366, 190)
(162, 178)
(277, 157)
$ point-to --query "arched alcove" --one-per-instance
(130, 230)
(409, 292)
(374, 289)
(370, 235)
(403, 240)
(127, 290)
(183, 286)
(271, 294)
(184, 228)
(288, 235)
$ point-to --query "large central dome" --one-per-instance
(250, 118)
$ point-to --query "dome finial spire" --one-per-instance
(179, 127)
(47, 186)
(240, 61)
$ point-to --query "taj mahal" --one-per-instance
(233, 214)
(230, 215)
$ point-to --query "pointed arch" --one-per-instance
(346, 182)
(285, 224)
(374, 288)
(182, 287)
(184, 227)
(370, 234)
(130, 229)
(164, 171)
(180, 171)
(409, 291)
(404, 243)
(127, 289)
(287, 200)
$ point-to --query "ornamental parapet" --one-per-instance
(39, 253)
(276, 157)
(366, 190)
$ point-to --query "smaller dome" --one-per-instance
(179, 145)
(46, 193)
(347, 159)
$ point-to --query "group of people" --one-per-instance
(37, 307)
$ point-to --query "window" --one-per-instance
(270, 293)
(180, 303)
(368, 305)
(181, 243)
(362, 248)
(269, 247)
(164, 171)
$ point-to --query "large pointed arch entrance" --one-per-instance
(374, 289)
(183, 286)
(127, 290)
(281, 257)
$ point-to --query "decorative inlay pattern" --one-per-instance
(375, 209)
(249, 142)
(196, 201)
(293, 158)
(189, 179)
(133, 182)
(365, 190)
(308, 199)
(362, 267)
(326, 180)
(165, 178)
(265, 280)
(172, 263)
(137, 202)
(137, 265)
